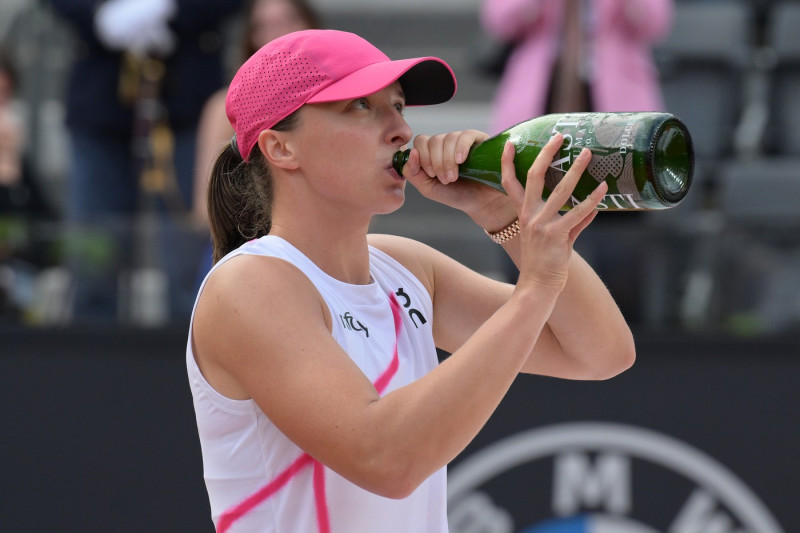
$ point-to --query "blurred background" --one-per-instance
(725, 259)
(97, 278)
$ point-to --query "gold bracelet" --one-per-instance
(505, 234)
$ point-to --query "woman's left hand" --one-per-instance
(432, 168)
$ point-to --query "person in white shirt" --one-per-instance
(320, 403)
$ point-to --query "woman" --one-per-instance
(312, 351)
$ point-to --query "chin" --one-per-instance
(390, 206)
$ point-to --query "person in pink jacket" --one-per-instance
(573, 55)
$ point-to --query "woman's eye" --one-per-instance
(361, 103)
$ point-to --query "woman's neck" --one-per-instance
(339, 249)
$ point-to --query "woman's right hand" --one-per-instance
(432, 168)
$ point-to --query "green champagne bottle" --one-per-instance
(646, 158)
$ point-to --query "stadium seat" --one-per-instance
(781, 36)
(702, 64)
(757, 253)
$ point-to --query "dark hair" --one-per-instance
(240, 196)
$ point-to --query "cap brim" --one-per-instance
(425, 81)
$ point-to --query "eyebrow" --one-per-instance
(399, 91)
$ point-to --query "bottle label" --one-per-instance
(610, 138)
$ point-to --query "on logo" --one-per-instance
(599, 478)
(415, 314)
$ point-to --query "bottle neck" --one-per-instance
(400, 159)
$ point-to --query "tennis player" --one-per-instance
(320, 403)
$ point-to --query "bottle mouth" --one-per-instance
(400, 159)
(673, 157)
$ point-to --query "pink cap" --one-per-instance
(313, 66)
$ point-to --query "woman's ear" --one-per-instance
(276, 149)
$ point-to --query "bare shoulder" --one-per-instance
(437, 271)
(248, 286)
(462, 298)
(417, 257)
(250, 276)
(248, 305)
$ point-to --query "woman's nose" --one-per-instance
(400, 132)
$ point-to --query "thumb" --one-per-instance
(417, 177)
(412, 167)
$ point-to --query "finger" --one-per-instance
(534, 185)
(419, 179)
(563, 191)
(584, 223)
(591, 204)
(466, 140)
(449, 171)
(412, 166)
(580, 216)
(422, 144)
(436, 157)
(508, 173)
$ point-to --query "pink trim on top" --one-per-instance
(383, 381)
(232, 515)
(235, 513)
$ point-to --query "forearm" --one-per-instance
(591, 334)
(433, 419)
(589, 325)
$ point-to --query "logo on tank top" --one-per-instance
(599, 478)
(352, 324)
(415, 314)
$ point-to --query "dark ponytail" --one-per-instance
(240, 196)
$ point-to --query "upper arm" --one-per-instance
(464, 299)
(262, 329)
(588, 335)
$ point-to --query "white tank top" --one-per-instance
(257, 479)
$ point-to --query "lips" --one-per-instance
(390, 168)
(394, 173)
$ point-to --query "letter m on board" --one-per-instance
(580, 483)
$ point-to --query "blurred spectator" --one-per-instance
(11, 133)
(144, 68)
(576, 55)
(265, 21)
(22, 204)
